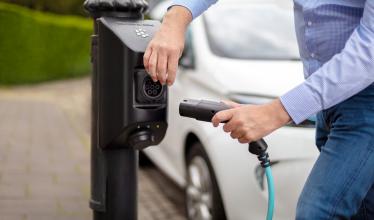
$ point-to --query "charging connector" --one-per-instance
(204, 110)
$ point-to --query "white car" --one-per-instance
(244, 51)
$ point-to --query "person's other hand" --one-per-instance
(163, 52)
(249, 123)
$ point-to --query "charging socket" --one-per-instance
(148, 93)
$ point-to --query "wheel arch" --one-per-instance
(190, 140)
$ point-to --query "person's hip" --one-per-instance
(357, 109)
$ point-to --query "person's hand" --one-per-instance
(249, 123)
(163, 52)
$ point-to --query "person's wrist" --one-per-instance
(280, 114)
(177, 17)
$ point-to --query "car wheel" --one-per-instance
(203, 199)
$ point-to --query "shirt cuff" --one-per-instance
(300, 103)
(196, 7)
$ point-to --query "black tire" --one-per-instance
(217, 211)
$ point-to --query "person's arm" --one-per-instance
(346, 74)
(196, 7)
(163, 52)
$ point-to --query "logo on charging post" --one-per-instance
(141, 32)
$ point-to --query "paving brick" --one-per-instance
(54, 191)
(13, 167)
(27, 206)
(11, 191)
(72, 180)
(25, 178)
(53, 168)
(12, 217)
(58, 217)
(74, 207)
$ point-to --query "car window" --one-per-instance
(252, 31)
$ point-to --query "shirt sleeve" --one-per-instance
(196, 7)
(345, 75)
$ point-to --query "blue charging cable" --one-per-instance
(259, 148)
(271, 193)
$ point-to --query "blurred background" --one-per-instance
(240, 50)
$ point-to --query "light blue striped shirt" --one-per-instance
(336, 42)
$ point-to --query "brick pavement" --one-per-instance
(44, 157)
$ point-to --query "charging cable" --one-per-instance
(271, 193)
(259, 148)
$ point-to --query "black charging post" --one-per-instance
(128, 108)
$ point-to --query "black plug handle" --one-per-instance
(204, 110)
(201, 110)
(258, 147)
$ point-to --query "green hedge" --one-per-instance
(36, 46)
(54, 6)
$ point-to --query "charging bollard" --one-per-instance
(130, 103)
(129, 110)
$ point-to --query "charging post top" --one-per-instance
(130, 9)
